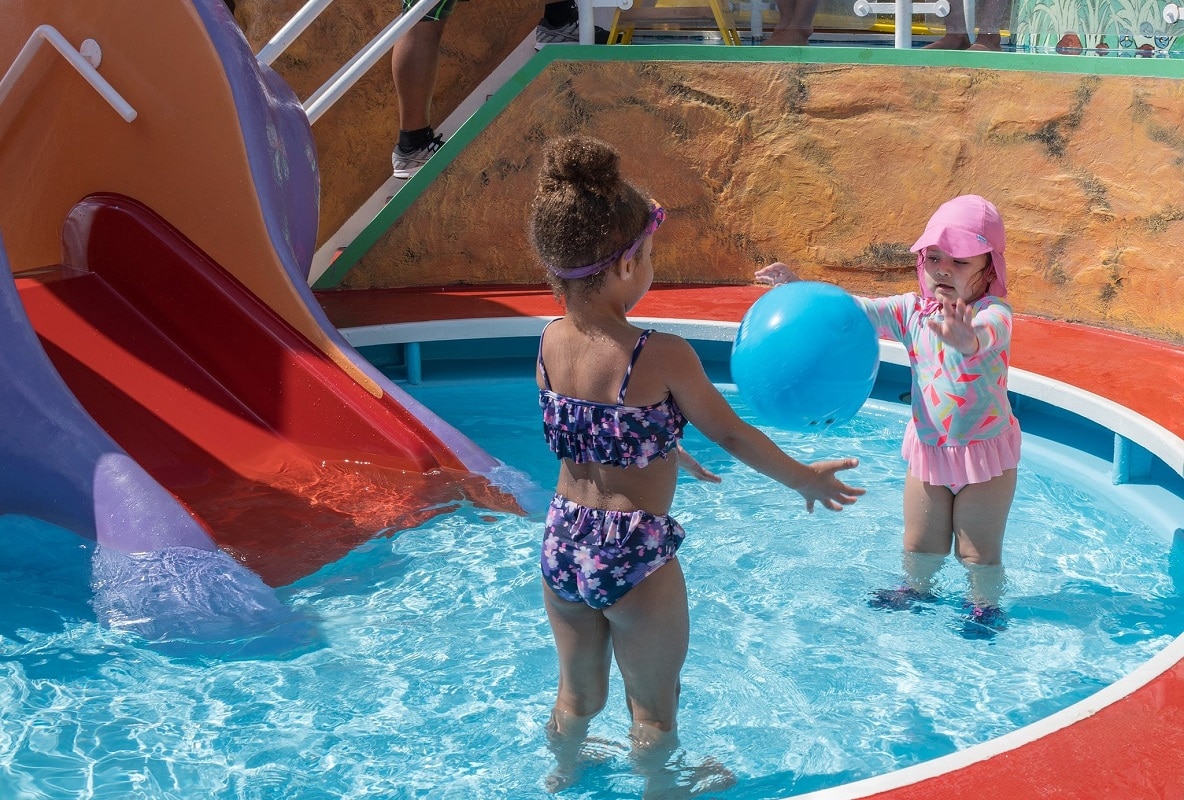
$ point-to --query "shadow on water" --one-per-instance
(45, 571)
(1123, 616)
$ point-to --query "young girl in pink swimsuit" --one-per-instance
(615, 400)
(962, 444)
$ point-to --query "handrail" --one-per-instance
(904, 10)
(85, 62)
(352, 71)
(586, 26)
(291, 30)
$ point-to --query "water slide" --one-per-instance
(171, 389)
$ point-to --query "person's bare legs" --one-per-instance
(415, 60)
(989, 23)
(650, 631)
(650, 628)
(974, 520)
(585, 654)
(795, 23)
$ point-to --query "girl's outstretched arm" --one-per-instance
(775, 274)
(711, 413)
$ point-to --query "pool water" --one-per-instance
(434, 671)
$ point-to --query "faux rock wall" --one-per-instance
(836, 168)
(832, 167)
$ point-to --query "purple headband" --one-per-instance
(657, 216)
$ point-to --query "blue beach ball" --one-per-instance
(806, 356)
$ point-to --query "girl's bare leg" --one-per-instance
(928, 517)
(920, 570)
(928, 532)
(585, 653)
(650, 630)
(980, 520)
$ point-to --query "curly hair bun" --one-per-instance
(584, 163)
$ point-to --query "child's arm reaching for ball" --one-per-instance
(775, 274)
(710, 412)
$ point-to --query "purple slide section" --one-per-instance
(60, 466)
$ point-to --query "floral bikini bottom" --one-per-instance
(595, 556)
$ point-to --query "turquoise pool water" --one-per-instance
(433, 670)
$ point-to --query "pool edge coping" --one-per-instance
(1114, 416)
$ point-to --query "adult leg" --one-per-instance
(928, 531)
(795, 22)
(980, 520)
(415, 60)
(990, 22)
(955, 37)
(585, 654)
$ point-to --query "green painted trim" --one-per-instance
(1017, 62)
(917, 57)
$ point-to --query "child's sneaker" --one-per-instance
(407, 164)
(901, 598)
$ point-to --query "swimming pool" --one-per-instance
(434, 671)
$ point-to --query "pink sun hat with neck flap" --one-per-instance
(963, 227)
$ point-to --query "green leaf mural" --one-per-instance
(1095, 27)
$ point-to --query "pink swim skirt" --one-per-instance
(957, 466)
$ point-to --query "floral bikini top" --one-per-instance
(614, 435)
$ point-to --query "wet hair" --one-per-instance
(583, 211)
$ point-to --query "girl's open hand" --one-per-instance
(956, 327)
(827, 489)
(688, 462)
(774, 274)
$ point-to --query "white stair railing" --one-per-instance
(352, 71)
(291, 30)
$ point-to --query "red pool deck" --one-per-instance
(1128, 749)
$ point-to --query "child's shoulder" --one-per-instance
(667, 346)
(994, 302)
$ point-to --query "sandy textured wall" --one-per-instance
(355, 137)
(836, 168)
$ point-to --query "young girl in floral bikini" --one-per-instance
(615, 400)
